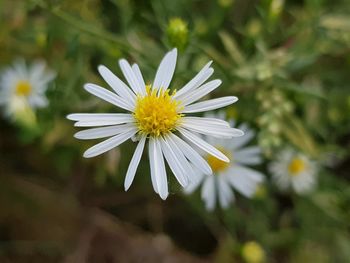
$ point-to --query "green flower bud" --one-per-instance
(225, 3)
(177, 33)
(276, 8)
(252, 252)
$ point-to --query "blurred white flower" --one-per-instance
(22, 88)
(235, 174)
(293, 170)
(155, 115)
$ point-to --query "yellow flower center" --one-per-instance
(23, 88)
(216, 164)
(296, 166)
(156, 113)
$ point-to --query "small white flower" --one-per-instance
(293, 170)
(155, 115)
(235, 174)
(24, 87)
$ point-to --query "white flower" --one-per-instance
(293, 170)
(235, 174)
(23, 87)
(155, 116)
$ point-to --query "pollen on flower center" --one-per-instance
(216, 164)
(156, 113)
(23, 88)
(296, 166)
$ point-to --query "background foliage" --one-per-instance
(287, 61)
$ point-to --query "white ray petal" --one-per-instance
(201, 92)
(242, 186)
(210, 104)
(203, 145)
(251, 161)
(192, 155)
(160, 173)
(117, 85)
(130, 76)
(100, 119)
(244, 179)
(134, 163)
(239, 142)
(249, 155)
(139, 77)
(97, 133)
(196, 81)
(151, 156)
(109, 144)
(208, 192)
(225, 193)
(250, 173)
(218, 132)
(174, 163)
(38, 101)
(193, 185)
(210, 129)
(98, 116)
(207, 121)
(99, 123)
(184, 164)
(108, 96)
(165, 70)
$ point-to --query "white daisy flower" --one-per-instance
(156, 114)
(24, 87)
(293, 170)
(234, 175)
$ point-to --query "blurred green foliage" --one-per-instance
(287, 61)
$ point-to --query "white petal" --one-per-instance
(108, 96)
(99, 116)
(97, 123)
(165, 70)
(174, 163)
(244, 179)
(103, 119)
(239, 142)
(192, 155)
(38, 101)
(198, 80)
(20, 67)
(97, 133)
(224, 191)
(243, 186)
(139, 77)
(109, 144)
(185, 166)
(210, 129)
(151, 156)
(193, 185)
(248, 155)
(208, 193)
(130, 76)
(210, 104)
(38, 75)
(201, 92)
(37, 71)
(159, 172)
(203, 145)
(207, 121)
(134, 163)
(250, 173)
(117, 85)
